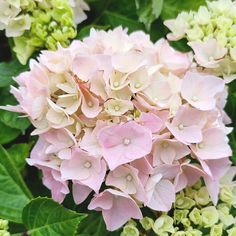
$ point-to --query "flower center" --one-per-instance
(165, 144)
(90, 104)
(200, 145)
(126, 141)
(194, 98)
(116, 84)
(129, 177)
(117, 108)
(87, 164)
(181, 126)
(211, 58)
(137, 85)
(180, 201)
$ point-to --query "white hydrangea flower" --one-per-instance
(18, 25)
(7, 12)
(79, 6)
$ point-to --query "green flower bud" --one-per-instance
(203, 16)
(193, 232)
(224, 215)
(226, 194)
(208, 30)
(4, 233)
(131, 222)
(202, 196)
(179, 233)
(217, 230)
(162, 225)
(232, 232)
(15, 3)
(182, 202)
(179, 215)
(39, 31)
(146, 223)
(130, 230)
(232, 31)
(194, 34)
(224, 23)
(186, 223)
(233, 56)
(232, 42)
(195, 216)
(22, 49)
(221, 38)
(197, 185)
(190, 192)
(28, 5)
(51, 43)
(3, 224)
(210, 216)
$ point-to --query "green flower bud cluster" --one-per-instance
(51, 23)
(193, 214)
(36, 24)
(4, 228)
(216, 20)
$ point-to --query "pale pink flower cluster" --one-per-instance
(126, 120)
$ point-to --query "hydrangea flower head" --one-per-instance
(130, 125)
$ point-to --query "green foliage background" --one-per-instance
(20, 185)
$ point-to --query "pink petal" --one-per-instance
(124, 143)
(80, 192)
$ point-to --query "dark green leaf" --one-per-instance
(7, 134)
(14, 194)
(181, 45)
(43, 216)
(86, 30)
(114, 19)
(18, 154)
(148, 11)
(9, 70)
(11, 119)
(171, 8)
(94, 225)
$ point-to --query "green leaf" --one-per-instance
(9, 70)
(18, 154)
(148, 11)
(86, 30)
(171, 8)
(231, 111)
(43, 216)
(114, 19)
(11, 119)
(7, 134)
(94, 225)
(14, 194)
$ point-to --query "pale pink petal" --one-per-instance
(161, 196)
(200, 90)
(117, 208)
(208, 53)
(80, 192)
(124, 143)
(151, 121)
(213, 146)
